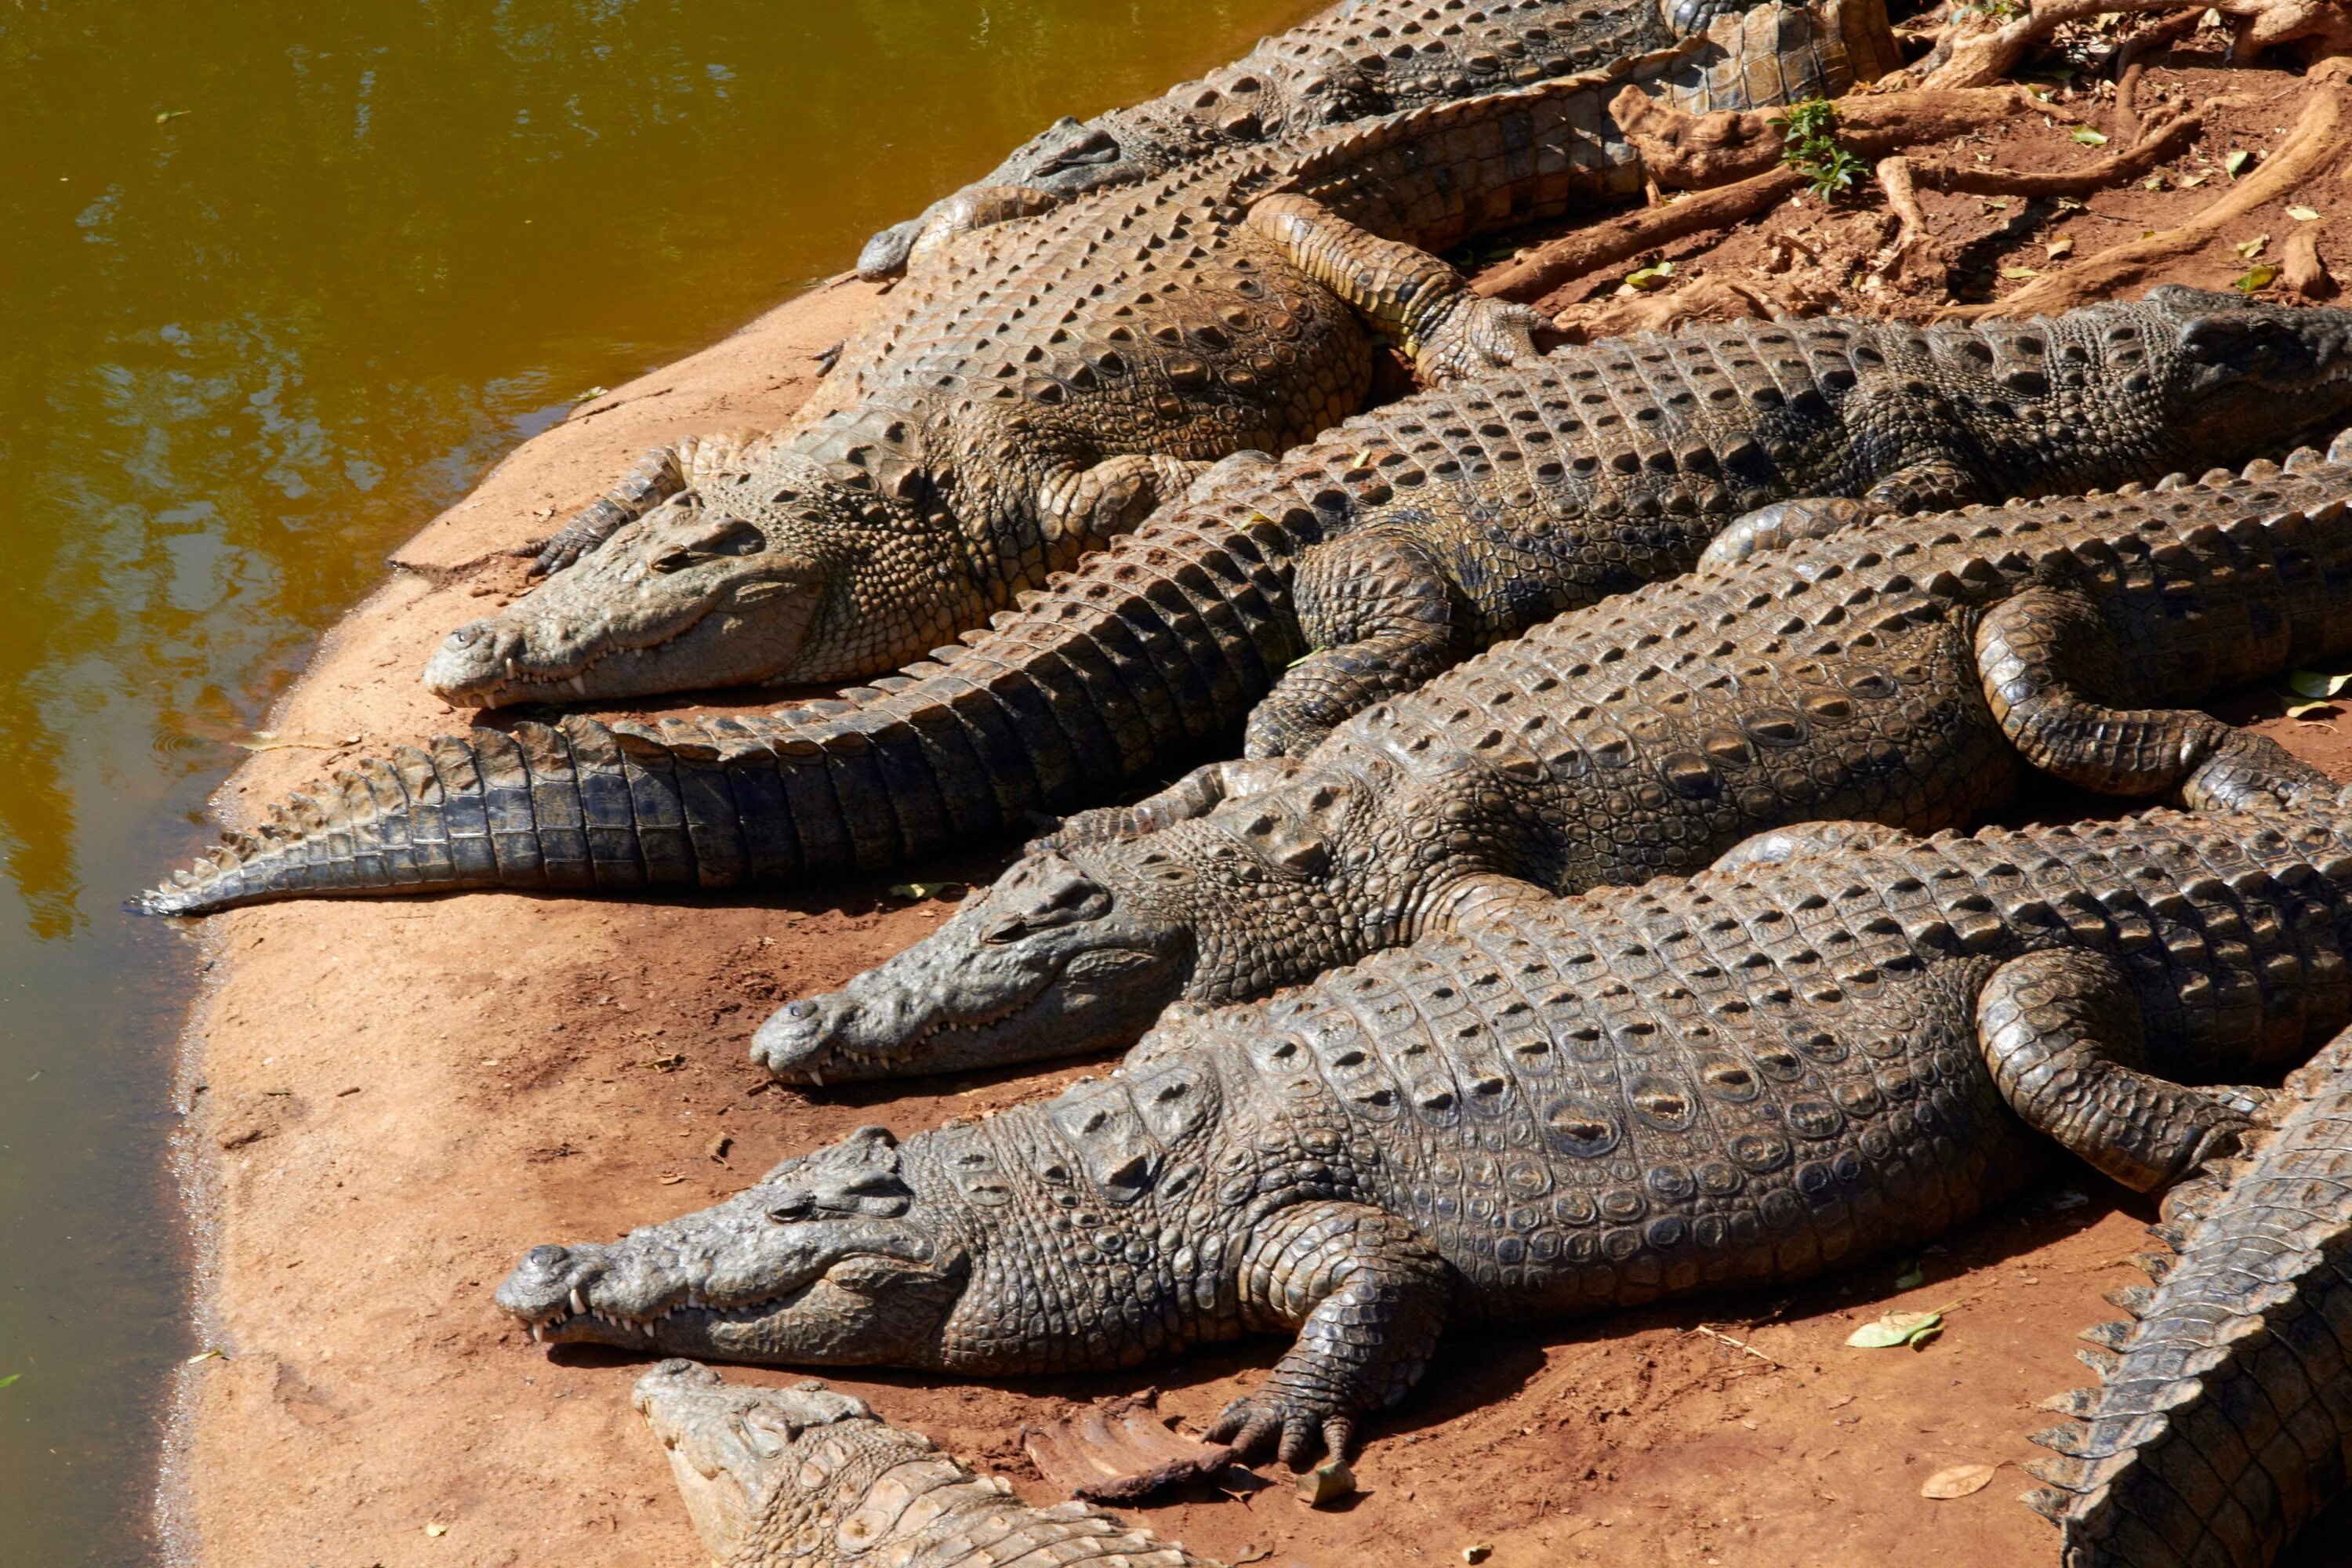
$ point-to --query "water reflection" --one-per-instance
(277, 283)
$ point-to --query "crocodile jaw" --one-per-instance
(738, 1452)
(820, 1262)
(684, 597)
(1048, 962)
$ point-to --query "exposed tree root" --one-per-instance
(1691, 151)
(2301, 270)
(1973, 53)
(1687, 149)
(1733, 163)
(2320, 140)
(2131, 59)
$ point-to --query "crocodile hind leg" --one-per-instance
(2047, 659)
(1368, 1296)
(660, 474)
(2066, 1043)
(1378, 611)
(1424, 305)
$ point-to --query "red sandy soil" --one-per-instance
(391, 1101)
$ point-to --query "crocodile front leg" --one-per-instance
(1193, 796)
(658, 475)
(2066, 1043)
(1424, 305)
(2048, 658)
(1368, 1296)
(1376, 608)
(1084, 506)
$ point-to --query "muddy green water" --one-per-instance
(277, 283)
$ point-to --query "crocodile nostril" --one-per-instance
(546, 1259)
(469, 635)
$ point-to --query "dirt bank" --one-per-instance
(400, 1096)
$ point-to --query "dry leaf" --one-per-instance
(2260, 276)
(437, 1529)
(2089, 137)
(2318, 683)
(2152, 183)
(2061, 245)
(1959, 1480)
(2235, 164)
(2303, 214)
(2190, 181)
(2019, 273)
(1327, 1482)
(2250, 249)
(1896, 1329)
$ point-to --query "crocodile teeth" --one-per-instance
(538, 1333)
(513, 673)
(577, 1304)
(579, 685)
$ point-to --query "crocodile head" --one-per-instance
(746, 1456)
(1062, 956)
(778, 578)
(829, 1259)
(2242, 374)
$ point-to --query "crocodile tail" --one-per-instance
(2222, 1424)
(1157, 650)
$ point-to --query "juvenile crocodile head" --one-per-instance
(1050, 961)
(829, 1259)
(742, 1456)
(788, 575)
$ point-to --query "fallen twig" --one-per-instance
(1915, 262)
(1740, 1345)
(2318, 140)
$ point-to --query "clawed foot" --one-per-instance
(563, 548)
(1300, 1420)
(1477, 336)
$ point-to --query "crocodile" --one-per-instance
(1898, 671)
(1824, 1049)
(810, 1478)
(1349, 62)
(1501, 504)
(1040, 386)
(2222, 1423)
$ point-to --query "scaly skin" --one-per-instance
(1820, 1052)
(1348, 63)
(1039, 387)
(806, 1478)
(1627, 459)
(1895, 672)
(2222, 1423)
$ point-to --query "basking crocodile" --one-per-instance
(1351, 62)
(1816, 1052)
(2222, 1421)
(1486, 508)
(1894, 672)
(806, 1478)
(1040, 387)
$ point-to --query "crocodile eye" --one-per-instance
(799, 1206)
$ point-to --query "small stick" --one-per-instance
(1740, 1345)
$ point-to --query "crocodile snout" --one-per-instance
(799, 1040)
(474, 661)
(548, 1282)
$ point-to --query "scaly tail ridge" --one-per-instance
(2223, 1422)
(1159, 649)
